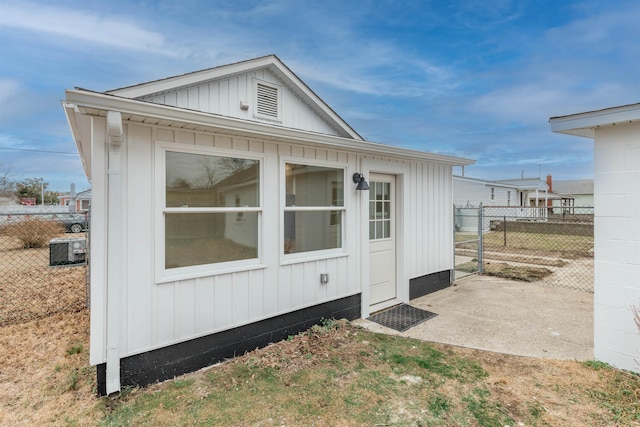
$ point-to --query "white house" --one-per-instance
(616, 135)
(507, 192)
(230, 209)
(573, 193)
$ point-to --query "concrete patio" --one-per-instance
(505, 316)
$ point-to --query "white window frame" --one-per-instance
(164, 275)
(322, 253)
(278, 88)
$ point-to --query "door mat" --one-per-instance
(402, 317)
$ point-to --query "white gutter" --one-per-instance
(114, 276)
(104, 102)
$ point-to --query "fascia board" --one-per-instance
(271, 61)
(309, 93)
(170, 83)
(584, 124)
(80, 136)
(107, 102)
(486, 182)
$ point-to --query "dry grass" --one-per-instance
(30, 289)
(33, 232)
(342, 376)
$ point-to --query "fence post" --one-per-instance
(452, 277)
(480, 238)
(504, 228)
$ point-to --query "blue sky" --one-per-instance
(476, 79)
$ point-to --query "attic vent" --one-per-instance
(267, 104)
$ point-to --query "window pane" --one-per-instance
(198, 180)
(387, 210)
(206, 238)
(387, 191)
(386, 233)
(314, 185)
(312, 231)
(379, 191)
(372, 230)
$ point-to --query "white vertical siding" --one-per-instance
(617, 244)
(158, 314)
(224, 96)
(425, 216)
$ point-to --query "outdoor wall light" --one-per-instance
(358, 178)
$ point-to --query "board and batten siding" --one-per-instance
(156, 312)
(225, 95)
(431, 219)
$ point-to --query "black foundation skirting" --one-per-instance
(429, 283)
(177, 359)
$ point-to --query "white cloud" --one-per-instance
(82, 26)
(8, 89)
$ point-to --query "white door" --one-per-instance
(382, 238)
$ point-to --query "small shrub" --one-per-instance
(33, 232)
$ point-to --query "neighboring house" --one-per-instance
(510, 193)
(507, 192)
(80, 202)
(226, 215)
(616, 135)
(573, 193)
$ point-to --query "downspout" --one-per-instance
(114, 280)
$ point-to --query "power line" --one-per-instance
(36, 151)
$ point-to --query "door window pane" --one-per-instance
(379, 210)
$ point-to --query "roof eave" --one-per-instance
(105, 102)
(584, 124)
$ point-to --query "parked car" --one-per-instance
(73, 223)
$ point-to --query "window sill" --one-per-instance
(206, 272)
(300, 258)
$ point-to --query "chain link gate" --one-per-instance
(43, 264)
(549, 245)
(467, 239)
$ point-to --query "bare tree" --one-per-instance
(7, 183)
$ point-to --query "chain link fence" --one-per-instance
(43, 265)
(551, 245)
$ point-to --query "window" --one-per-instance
(493, 194)
(314, 208)
(379, 210)
(212, 209)
(508, 198)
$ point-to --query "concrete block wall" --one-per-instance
(617, 244)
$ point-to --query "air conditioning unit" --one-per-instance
(67, 251)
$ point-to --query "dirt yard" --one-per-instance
(45, 378)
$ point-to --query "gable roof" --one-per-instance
(573, 186)
(270, 62)
(526, 183)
